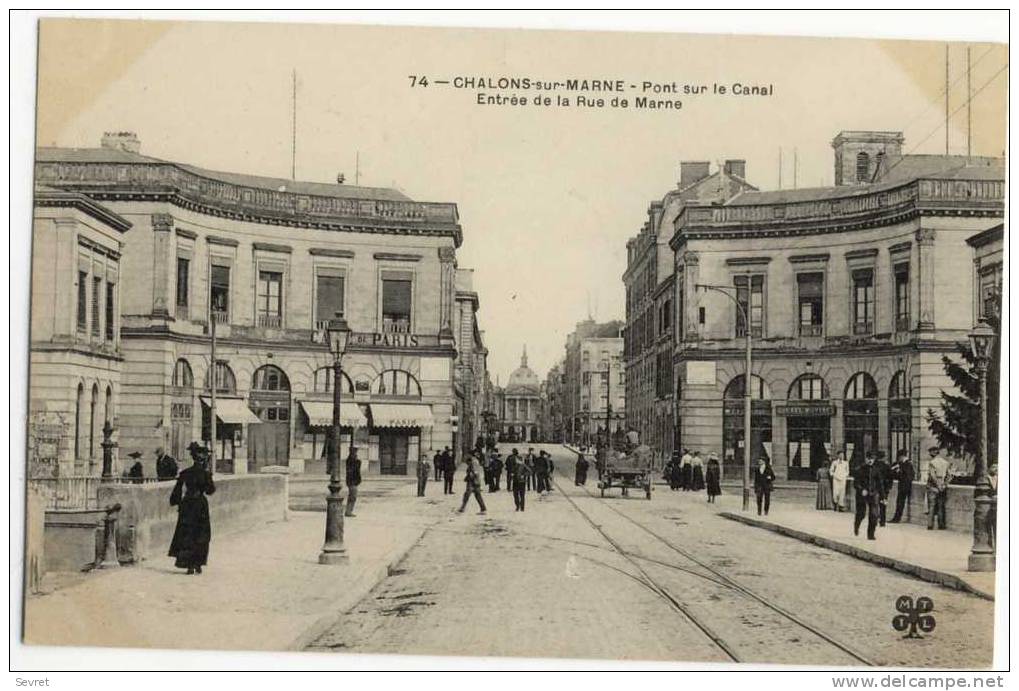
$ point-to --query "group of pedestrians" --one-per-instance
(688, 473)
(444, 467)
(873, 480)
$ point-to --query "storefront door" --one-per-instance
(393, 447)
(809, 438)
(269, 442)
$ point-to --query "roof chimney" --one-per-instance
(692, 171)
(737, 168)
(121, 141)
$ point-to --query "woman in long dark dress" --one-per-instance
(696, 472)
(190, 544)
(713, 476)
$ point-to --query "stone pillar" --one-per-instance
(838, 441)
(162, 244)
(925, 240)
(882, 429)
(447, 260)
(691, 313)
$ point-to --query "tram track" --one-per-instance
(712, 575)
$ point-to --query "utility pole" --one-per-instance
(212, 396)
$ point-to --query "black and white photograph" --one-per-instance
(596, 348)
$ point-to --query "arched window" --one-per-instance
(899, 388)
(269, 378)
(79, 399)
(109, 405)
(323, 382)
(226, 382)
(182, 377)
(395, 382)
(92, 422)
(759, 389)
(862, 166)
(808, 387)
(861, 386)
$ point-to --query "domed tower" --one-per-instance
(522, 402)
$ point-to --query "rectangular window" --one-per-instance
(863, 301)
(183, 276)
(110, 318)
(750, 295)
(328, 299)
(396, 302)
(82, 301)
(811, 303)
(902, 297)
(270, 299)
(990, 289)
(219, 294)
(97, 291)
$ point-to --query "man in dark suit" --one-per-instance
(904, 474)
(764, 479)
(437, 464)
(886, 485)
(868, 482)
(353, 465)
(448, 472)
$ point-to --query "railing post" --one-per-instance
(110, 559)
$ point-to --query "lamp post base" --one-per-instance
(981, 562)
(981, 557)
(339, 557)
(333, 551)
(746, 499)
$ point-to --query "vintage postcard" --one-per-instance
(576, 345)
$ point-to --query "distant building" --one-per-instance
(552, 405)
(520, 405)
(471, 370)
(594, 383)
(853, 294)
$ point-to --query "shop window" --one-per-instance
(270, 299)
(860, 417)
(863, 302)
(396, 305)
(219, 294)
(270, 378)
(750, 295)
(900, 415)
(396, 383)
(808, 387)
(323, 381)
(811, 303)
(226, 383)
(902, 297)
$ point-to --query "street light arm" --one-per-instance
(724, 290)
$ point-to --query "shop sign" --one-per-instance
(806, 409)
(756, 408)
(385, 340)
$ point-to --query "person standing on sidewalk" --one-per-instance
(580, 476)
(764, 479)
(540, 473)
(495, 472)
(886, 485)
(939, 474)
(511, 466)
(868, 483)
(713, 477)
(424, 469)
(353, 465)
(904, 475)
(191, 537)
(696, 472)
(520, 481)
(529, 462)
(824, 498)
(686, 473)
(473, 484)
(438, 465)
(448, 465)
(839, 472)
(166, 465)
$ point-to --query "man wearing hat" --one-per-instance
(939, 474)
(136, 473)
(424, 469)
(904, 473)
(166, 466)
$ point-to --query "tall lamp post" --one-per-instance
(981, 557)
(334, 551)
(729, 292)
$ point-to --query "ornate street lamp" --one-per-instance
(981, 558)
(333, 551)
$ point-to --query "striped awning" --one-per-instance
(232, 411)
(320, 414)
(401, 415)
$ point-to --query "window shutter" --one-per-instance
(396, 297)
(329, 297)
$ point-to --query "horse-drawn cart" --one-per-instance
(629, 470)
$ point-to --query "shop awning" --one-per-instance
(401, 415)
(320, 414)
(232, 411)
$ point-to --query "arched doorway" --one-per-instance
(182, 387)
(395, 438)
(269, 442)
(900, 416)
(227, 434)
(808, 414)
(860, 418)
(733, 424)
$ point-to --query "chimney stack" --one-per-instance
(737, 168)
(692, 171)
(121, 141)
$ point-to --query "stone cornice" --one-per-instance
(901, 247)
(747, 261)
(810, 258)
(866, 253)
(184, 233)
(168, 182)
(62, 199)
(270, 247)
(216, 240)
(329, 252)
(397, 257)
(98, 249)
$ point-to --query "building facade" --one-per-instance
(471, 364)
(552, 405)
(520, 405)
(594, 382)
(851, 295)
(648, 335)
(266, 263)
(75, 354)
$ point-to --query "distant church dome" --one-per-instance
(523, 377)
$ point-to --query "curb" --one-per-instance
(362, 586)
(922, 572)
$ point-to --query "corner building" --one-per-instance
(271, 261)
(853, 293)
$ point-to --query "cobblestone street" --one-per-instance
(548, 583)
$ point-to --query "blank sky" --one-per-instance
(547, 197)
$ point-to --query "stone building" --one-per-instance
(853, 293)
(520, 405)
(471, 371)
(75, 357)
(594, 374)
(648, 336)
(269, 261)
(552, 405)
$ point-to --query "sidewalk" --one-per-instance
(936, 556)
(262, 590)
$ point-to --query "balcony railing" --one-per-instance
(811, 329)
(395, 326)
(77, 491)
(220, 317)
(270, 321)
